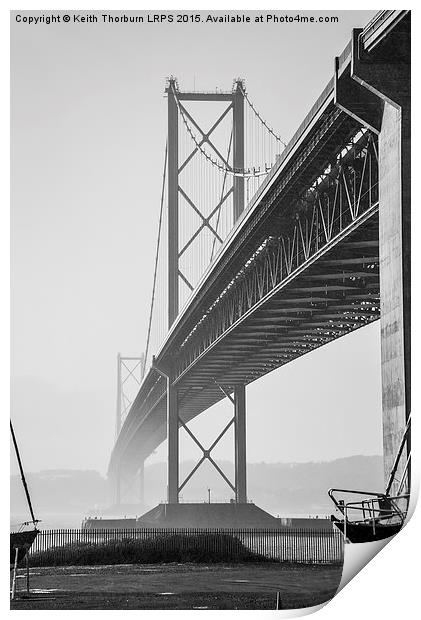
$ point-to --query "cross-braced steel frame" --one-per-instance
(239, 486)
(235, 100)
(174, 422)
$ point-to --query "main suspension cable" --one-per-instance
(261, 119)
(222, 195)
(158, 242)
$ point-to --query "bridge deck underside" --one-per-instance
(333, 296)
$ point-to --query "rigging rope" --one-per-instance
(158, 242)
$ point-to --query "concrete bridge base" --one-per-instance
(229, 515)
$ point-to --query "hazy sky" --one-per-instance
(88, 132)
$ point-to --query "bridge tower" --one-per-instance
(176, 108)
(176, 98)
(130, 371)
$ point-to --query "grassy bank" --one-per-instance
(174, 548)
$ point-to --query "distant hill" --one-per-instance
(302, 487)
(63, 497)
(280, 488)
(56, 494)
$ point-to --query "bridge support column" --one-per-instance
(172, 439)
(240, 444)
(238, 149)
(385, 75)
(173, 292)
(394, 164)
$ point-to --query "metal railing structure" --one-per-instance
(373, 509)
(55, 547)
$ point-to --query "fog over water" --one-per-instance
(62, 498)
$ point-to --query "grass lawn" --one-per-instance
(178, 586)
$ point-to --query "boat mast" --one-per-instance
(22, 475)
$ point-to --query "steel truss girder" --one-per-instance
(346, 317)
(346, 193)
(241, 349)
(342, 276)
(351, 261)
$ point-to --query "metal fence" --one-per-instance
(141, 545)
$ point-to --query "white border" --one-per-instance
(388, 586)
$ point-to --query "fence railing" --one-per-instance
(144, 545)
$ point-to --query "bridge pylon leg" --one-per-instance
(173, 249)
(240, 444)
(173, 441)
(238, 148)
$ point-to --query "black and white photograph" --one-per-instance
(210, 269)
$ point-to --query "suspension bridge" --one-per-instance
(267, 251)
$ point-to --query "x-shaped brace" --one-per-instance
(205, 137)
(205, 220)
(206, 454)
(127, 403)
(205, 223)
(130, 371)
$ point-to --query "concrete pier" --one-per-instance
(240, 444)
(394, 286)
(173, 441)
(380, 99)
